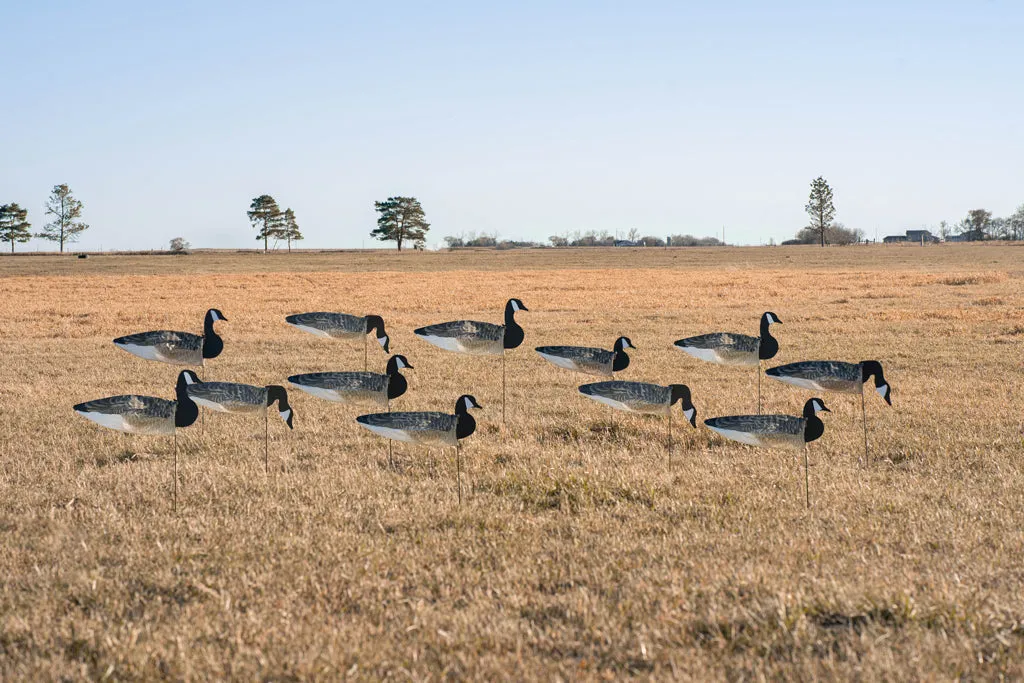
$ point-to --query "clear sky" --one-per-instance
(528, 119)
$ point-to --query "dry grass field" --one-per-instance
(577, 553)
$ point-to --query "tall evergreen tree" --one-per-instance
(14, 226)
(290, 228)
(66, 210)
(401, 220)
(265, 215)
(820, 208)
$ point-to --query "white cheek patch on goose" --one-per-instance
(189, 378)
(515, 305)
(818, 406)
(882, 390)
(467, 404)
(285, 414)
(383, 341)
(690, 413)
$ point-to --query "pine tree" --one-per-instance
(290, 229)
(401, 220)
(66, 210)
(14, 226)
(820, 208)
(265, 216)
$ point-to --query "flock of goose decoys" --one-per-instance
(152, 415)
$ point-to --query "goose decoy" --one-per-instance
(356, 387)
(428, 428)
(342, 326)
(641, 397)
(177, 348)
(230, 397)
(136, 414)
(588, 360)
(481, 339)
(832, 375)
(726, 348)
(775, 431)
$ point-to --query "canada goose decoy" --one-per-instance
(480, 339)
(230, 397)
(177, 348)
(726, 348)
(588, 360)
(342, 326)
(641, 397)
(147, 414)
(775, 431)
(428, 428)
(832, 375)
(356, 387)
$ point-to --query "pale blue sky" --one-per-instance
(529, 120)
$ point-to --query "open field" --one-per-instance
(576, 553)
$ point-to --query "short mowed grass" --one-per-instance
(577, 552)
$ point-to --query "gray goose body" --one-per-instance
(131, 413)
(477, 338)
(588, 360)
(821, 376)
(176, 348)
(336, 325)
(356, 387)
(772, 431)
(229, 397)
(344, 387)
(727, 348)
(634, 397)
(768, 431)
(466, 336)
(423, 428)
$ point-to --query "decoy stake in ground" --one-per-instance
(428, 428)
(480, 339)
(832, 375)
(136, 414)
(342, 326)
(589, 361)
(230, 397)
(775, 431)
(648, 399)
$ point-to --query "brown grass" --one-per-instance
(577, 553)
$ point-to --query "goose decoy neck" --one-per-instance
(280, 395)
(465, 424)
(397, 384)
(769, 346)
(621, 358)
(514, 334)
(681, 393)
(815, 427)
(212, 343)
(186, 412)
(375, 323)
(873, 367)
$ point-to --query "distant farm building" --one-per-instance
(912, 236)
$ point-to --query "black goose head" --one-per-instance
(681, 392)
(280, 394)
(187, 411)
(375, 323)
(621, 358)
(465, 425)
(212, 343)
(397, 384)
(514, 334)
(814, 427)
(873, 367)
(768, 346)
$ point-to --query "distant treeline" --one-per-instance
(589, 238)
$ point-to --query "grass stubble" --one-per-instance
(576, 553)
